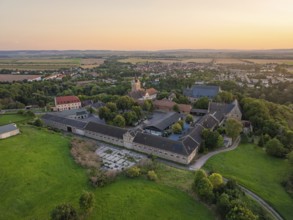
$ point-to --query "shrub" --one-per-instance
(275, 148)
(216, 179)
(152, 175)
(64, 211)
(133, 172)
(86, 201)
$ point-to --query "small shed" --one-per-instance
(8, 130)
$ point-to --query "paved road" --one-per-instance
(202, 160)
(262, 203)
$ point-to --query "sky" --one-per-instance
(145, 24)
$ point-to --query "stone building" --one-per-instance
(199, 91)
(66, 103)
(8, 131)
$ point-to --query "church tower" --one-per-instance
(135, 85)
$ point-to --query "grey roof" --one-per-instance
(68, 113)
(106, 129)
(65, 121)
(7, 128)
(199, 91)
(166, 121)
(208, 121)
(219, 110)
(162, 143)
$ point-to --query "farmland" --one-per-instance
(48, 63)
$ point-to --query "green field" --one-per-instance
(257, 171)
(38, 64)
(10, 118)
(37, 173)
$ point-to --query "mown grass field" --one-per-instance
(12, 118)
(257, 171)
(37, 173)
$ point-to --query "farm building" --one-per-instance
(66, 103)
(199, 91)
(167, 105)
(157, 127)
(139, 93)
(8, 131)
(181, 151)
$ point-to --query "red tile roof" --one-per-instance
(66, 99)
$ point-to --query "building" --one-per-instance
(165, 122)
(199, 91)
(167, 105)
(8, 131)
(139, 93)
(180, 151)
(66, 103)
(73, 113)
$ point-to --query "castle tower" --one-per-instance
(135, 85)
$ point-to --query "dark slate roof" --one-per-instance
(197, 110)
(106, 129)
(195, 133)
(199, 91)
(7, 128)
(81, 113)
(161, 143)
(219, 110)
(164, 122)
(208, 121)
(65, 121)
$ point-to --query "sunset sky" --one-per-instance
(145, 24)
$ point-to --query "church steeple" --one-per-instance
(135, 84)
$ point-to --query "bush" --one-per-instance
(133, 172)
(86, 201)
(64, 212)
(275, 148)
(152, 175)
(216, 179)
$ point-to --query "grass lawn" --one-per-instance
(260, 173)
(12, 118)
(37, 173)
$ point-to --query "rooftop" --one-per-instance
(7, 128)
(66, 99)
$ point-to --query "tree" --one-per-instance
(133, 172)
(204, 189)
(86, 201)
(105, 113)
(224, 96)
(216, 179)
(64, 212)
(112, 106)
(275, 148)
(212, 139)
(240, 213)
(189, 119)
(137, 110)
(233, 128)
(119, 121)
(176, 128)
(202, 103)
(176, 108)
(152, 175)
(223, 204)
(124, 103)
(130, 117)
(148, 106)
(181, 122)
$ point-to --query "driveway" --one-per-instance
(203, 159)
